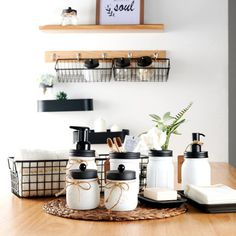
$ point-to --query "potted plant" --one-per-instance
(46, 82)
(160, 169)
(168, 125)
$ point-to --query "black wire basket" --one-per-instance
(74, 70)
(44, 178)
(158, 71)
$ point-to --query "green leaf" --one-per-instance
(167, 116)
(155, 117)
(176, 132)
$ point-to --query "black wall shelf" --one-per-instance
(65, 105)
(101, 137)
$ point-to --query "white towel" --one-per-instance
(40, 154)
(214, 194)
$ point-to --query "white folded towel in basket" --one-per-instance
(214, 194)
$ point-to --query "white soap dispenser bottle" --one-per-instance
(196, 168)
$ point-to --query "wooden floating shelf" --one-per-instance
(153, 27)
(65, 105)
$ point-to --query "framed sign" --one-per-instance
(113, 12)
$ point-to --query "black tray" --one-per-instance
(162, 204)
(211, 208)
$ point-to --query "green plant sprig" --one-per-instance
(172, 127)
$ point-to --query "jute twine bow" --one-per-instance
(194, 142)
(78, 183)
(113, 185)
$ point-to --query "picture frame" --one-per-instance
(119, 12)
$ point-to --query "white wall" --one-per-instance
(197, 44)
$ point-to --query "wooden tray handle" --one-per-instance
(106, 168)
(180, 163)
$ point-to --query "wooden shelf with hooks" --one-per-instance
(52, 56)
(148, 27)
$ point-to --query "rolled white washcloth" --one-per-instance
(213, 194)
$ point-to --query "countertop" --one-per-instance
(23, 217)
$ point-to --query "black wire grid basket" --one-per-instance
(74, 70)
(158, 71)
(42, 178)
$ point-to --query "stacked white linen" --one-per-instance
(214, 194)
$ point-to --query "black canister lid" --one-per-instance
(91, 63)
(83, 173)
(122, 62)
(82, 153)
(69, 10)
(121, 174)
(160, 153)
(124, 155)
(203, 154)
(144, 61)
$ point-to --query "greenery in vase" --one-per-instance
(46, 81)
(61, 96)
(169, 124)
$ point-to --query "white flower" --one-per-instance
(153, 139)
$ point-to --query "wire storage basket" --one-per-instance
(84, 70)
(44, 178)
(157, 71)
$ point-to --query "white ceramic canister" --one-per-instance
(82, 189)
(196, 168)
(131, 161)
(121, 191)
(160, 169)
(81, 156)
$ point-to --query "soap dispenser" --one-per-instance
(82, 153)
(196, 168)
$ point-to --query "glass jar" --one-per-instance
(131, 161)
(160, 169)
(120, 190)
(78, 157)
(122, 72)
(145, 71)
(82, 189)
(91, 73)
(69, 17)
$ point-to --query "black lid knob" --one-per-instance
(82, 167)
(121, 174)
(121, 168)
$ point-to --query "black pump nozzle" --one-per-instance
(197, 137)
(81, 137)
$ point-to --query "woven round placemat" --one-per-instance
(58, 207)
